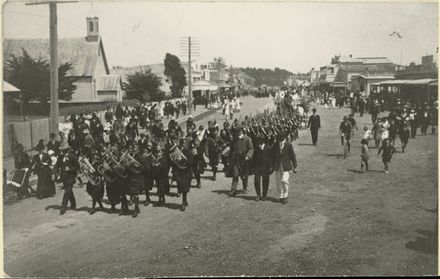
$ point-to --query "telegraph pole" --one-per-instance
(189, 46)
(189, 76)
(53, 31)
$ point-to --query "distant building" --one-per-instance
(86, 54)
(427, 69)
(354, 74)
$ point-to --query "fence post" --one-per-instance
(32, 138)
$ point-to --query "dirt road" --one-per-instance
(337, 221)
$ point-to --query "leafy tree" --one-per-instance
(175, 72)
(268, 77)
(143, 86)
(32, 77)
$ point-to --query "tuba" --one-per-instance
(130, 163)
(89, 171)
(178, 158)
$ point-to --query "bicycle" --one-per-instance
(345, 143)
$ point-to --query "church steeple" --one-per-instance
(92, 29)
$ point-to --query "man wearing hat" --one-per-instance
(404, 134)
(161, 168)
(182, 168)
(135, 177)
(53, 144)
(374, 111)
(71, 168)
(314, 125)
(413, 122)
(242, 152)
(41, 163)
(284, 161)
(262, 167)
(213, 149)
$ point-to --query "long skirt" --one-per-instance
(45, 185)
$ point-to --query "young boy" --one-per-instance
(367, 134)
(364, 154)
(388, 151)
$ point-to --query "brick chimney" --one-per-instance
(92, 29)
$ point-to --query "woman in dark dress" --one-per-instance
(42, 162)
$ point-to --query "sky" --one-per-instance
(295, 36)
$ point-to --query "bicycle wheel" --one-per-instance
(345, 149)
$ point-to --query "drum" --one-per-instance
(17, 177)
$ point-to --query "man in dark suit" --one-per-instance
(284, 161)
(242, 152)
(71, 168)
(262, 166)
(314, 125)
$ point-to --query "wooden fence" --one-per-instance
(24, 118)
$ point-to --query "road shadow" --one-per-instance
(306, 144)
(380, 171)
(240, 196)
(356, 171)
(426, 243)
(169, 205)
(58, 207)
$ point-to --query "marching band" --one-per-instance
(118, 160)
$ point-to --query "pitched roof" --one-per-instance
(109, 82)
(365, 60)
(82, 54)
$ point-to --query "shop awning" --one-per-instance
(204, 85)
(400, 82)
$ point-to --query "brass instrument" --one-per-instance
(89, 171)
(130, 163)
(178, 158)
(115, 166)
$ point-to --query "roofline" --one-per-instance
(101, 46)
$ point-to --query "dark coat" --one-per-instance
(213, 148)
(262, 160)
(314, 122)
(242, 148)
(184, 176)
(285, 158)
(75, 143)
(45, 185)
(160, 174)
(147, 171)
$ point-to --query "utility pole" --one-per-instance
(53, 31)
(189, 46)
(189, 76)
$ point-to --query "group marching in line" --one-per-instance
(118, 160)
